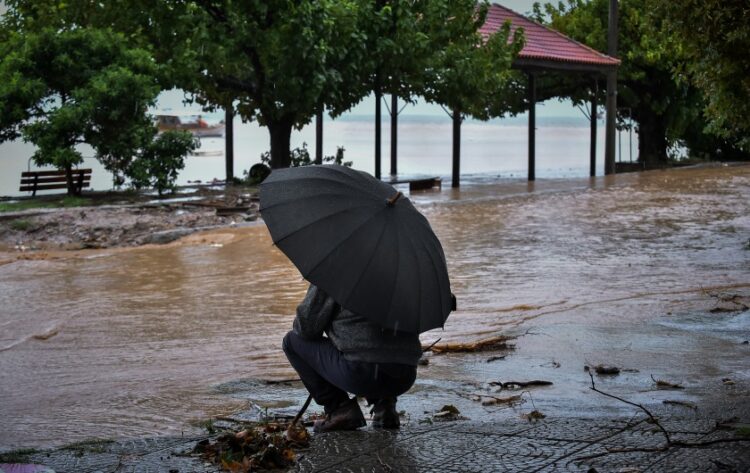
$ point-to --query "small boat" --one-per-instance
(187, 121)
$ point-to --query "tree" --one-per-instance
(158, 163)
(657, 102)
(62, 88)
(277, 61)
(714, 37)
(471, 75)
(665, 107)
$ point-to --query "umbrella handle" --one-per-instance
(302, 411)
(390, 202)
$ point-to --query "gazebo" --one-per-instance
(547, 50)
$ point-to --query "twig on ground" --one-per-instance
(669, 443)
(385, 465)
(487, 344)
(520, 384)
(661, 384)
(648, 413)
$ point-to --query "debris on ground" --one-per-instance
(267, 446)
(729, 302)
(727, 381)
(488, 400)
(520, 384)
(606, 370)
(534, 416)
(125, 222)
(496, 358)
(487, 344)
(687, 404)
(662, 384)
(423, 361)
(447, 413)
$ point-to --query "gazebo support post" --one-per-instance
(592, 164)
(319, 136)
(609, 145)
(378, 131)
(456, 148)
(229, 143)
(394, 134)
(532, 125)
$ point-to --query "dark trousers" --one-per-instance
(328, 376)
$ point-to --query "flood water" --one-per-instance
(131, 343)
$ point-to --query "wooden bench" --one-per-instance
(421, 184)
(32, 181)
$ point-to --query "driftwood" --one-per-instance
(487, 344)
(492, 400)
(520, 384)
(661, 384)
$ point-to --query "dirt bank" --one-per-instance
(128, 225)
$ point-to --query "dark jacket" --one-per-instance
(354, 335)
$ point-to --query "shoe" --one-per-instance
(347, 416)
(384, 415)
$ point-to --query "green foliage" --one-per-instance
(467, 73)
(277, 62)
(62, 88)
(666, 109)
(21, 225)
(67, 201)
(158, 164)
(280, 62)
(714, 37)
(17, 456)
(301, 157)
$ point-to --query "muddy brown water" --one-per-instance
(131, 343)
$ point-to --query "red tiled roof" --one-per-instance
(543, 43)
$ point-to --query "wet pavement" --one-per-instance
(461, 446)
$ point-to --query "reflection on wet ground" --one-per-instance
(120, 344)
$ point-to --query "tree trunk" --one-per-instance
(281, 133)
(652, 140)
(70, 181)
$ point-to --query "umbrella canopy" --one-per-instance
(361, 242)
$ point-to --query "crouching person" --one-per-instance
(337, 352)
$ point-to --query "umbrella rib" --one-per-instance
(343, 240)
(276, 242)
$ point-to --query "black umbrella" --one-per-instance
(361, 242)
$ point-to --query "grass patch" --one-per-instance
(207, 425)
(17, 456)
(21, 225)
(88, 446)
(67, 201)
(743, 431)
